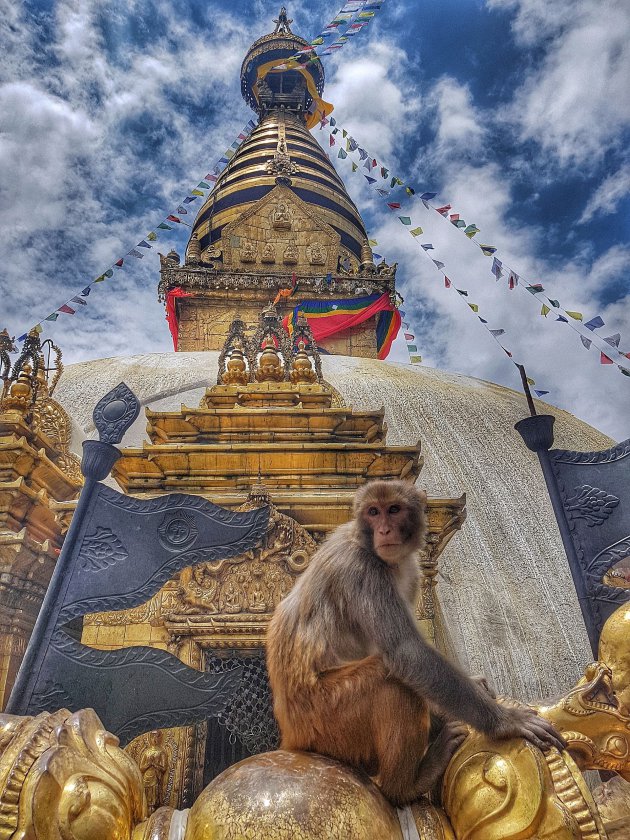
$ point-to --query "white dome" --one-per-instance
(508, 603)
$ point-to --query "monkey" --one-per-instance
(351, 675)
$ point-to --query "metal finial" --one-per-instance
(283, 23)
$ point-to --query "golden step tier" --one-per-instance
(192, 468)
(216, 425)
(19, 458)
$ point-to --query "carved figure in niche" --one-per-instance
(290, 255)
(256, 592)
(248, 251)
(231, 598)
(387, 270)
(281, 216)
(344, 264)
(269, 253)
(316, 254)
(153, 765)
(199, 588)
(212, 252)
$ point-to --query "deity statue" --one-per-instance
(269, 253)
(316, 254)
(290, 255)
(248, 251)
(281, 216)
(153, 765)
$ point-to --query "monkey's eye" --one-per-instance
(394, 509)
(373, 511)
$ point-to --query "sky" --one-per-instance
(515, 112)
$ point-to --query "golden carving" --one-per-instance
(281, 216)
(290, 255)
(268, 253)
(236, 369)
(63, 777)
(247, 251)
(302, 372)
(270, 368)
(316, 254)
(153, 763)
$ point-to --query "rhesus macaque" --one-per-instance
(351, 675)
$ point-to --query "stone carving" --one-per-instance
(591, 504)
(247, 251)
(100, 550)
(281, 216)
(115, 412)
(316, 254)
(290, 255)
(268, 253)
(178, 532)
(211, 253)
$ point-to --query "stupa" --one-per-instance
(244, 413)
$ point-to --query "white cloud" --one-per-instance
(607, 196)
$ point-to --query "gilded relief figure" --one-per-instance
(153, 766)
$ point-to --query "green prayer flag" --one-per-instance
(554, 303)
(342, 153)
(416, 231)
(405, 220)
(52, 317)
(164, 226)
(354, 167)
(109, 272)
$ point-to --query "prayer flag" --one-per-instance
(182, 210)
(439, 265)
(119, 263)
(195, 193)
(370, 180)
(427, 246)
(416, 231)
(86, 291)
(342, 153)
(412, 348)
(447, 282)
(333, 121)
(483, 320)
(545, 310)
(362, 153)
(427, 196)
(409, 336)
(586, 342)
(354, 166)
(474, 307)
(513, 280)
(594, 323)
(382, 192)
(393, 205)
(488, 250)
(188, 199)
(534, 288)
(137, 254)
(497, 268)
(562, 318)
(624, 371)
(377, 256)
(604, 360)
(152, 236)
(164, 226)
(462, 292)
(496, 333)
(173, 219)
(410, 191)
(416, 359)
(384, 172)
(554, 303)
(77, 299)
(144, 244)
(52, 317)
(405, 220)
(540, 393)
(100, 279)
(454, 217)
(613, 340)
(443, 211)
(203, 186)
(372, 243)
(65, 308)
(576, 315)
(507, 352)
(331, 140)
(471, 230)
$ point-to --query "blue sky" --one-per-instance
(516, 112)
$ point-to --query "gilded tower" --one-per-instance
(279, 218)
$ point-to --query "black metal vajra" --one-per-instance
(118, 552)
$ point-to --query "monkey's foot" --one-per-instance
(440, 752)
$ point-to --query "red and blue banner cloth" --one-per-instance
(329, 317)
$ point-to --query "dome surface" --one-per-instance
(507, 602)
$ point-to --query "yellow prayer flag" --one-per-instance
(545, 310)
(577, 315)
(416, 231)
(372, 242)
(474, 307)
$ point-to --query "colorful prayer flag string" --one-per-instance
(168, 224)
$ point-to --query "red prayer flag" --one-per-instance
(454, 217)
(393, 205)
(443, 211)
(67, 309)
(447, 282)
(173, 219)
(409, 336)
(119, 263)
(605, 360)
(332, 140)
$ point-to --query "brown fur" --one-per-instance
(351, 675)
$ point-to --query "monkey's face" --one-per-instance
(390, 528)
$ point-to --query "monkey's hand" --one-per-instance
(520, 721)
(437, 758)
